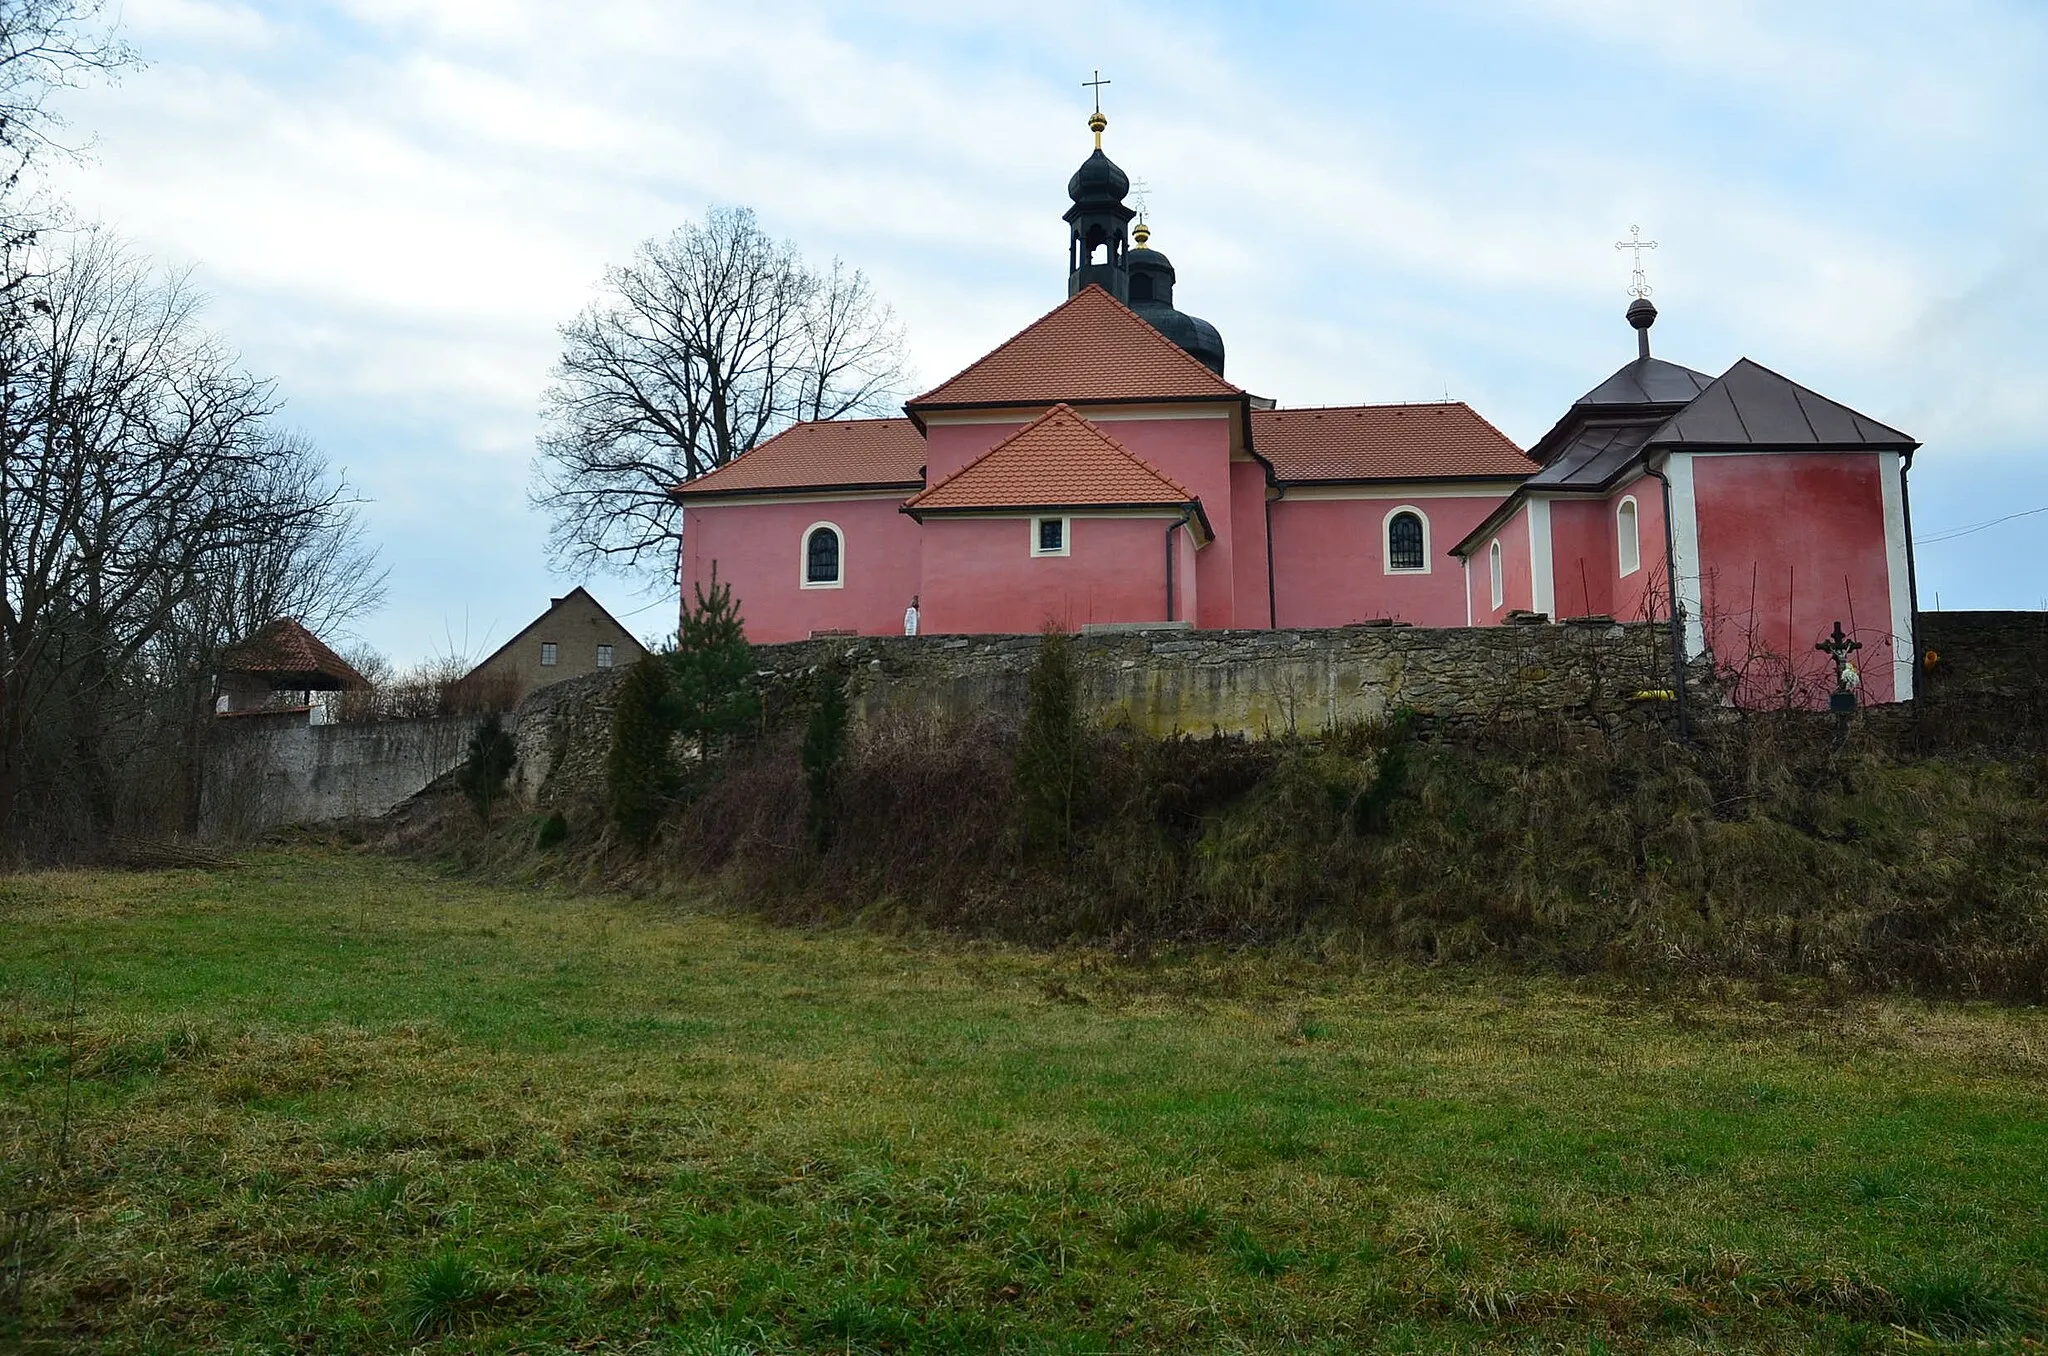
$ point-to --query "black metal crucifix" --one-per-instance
(1096, 84)
(1639, 281)
(1839, 647)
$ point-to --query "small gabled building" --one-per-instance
(573, 637)
(1769, 511)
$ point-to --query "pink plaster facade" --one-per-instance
(1330, 556)
(1592, 575)
(758, 546)
(1790, 544)
(1516, 578)
(980, 574)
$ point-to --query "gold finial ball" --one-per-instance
(1142, 234)
(1096, 122)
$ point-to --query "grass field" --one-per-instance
(331, 1102)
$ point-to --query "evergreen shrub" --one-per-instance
(487, 766)
(824, 752)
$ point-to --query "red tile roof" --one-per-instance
(1090, 348)
(292, 657)
(1059, 460)
(1385, 442)
(829, 454)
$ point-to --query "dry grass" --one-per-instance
(335, 1103)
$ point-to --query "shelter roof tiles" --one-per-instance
(1090, 348)
(1385, 442)
(285, 652)
(824, 454)
(1058, 460)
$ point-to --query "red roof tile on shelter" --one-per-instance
(1385, 442)
(825, 454)
(287, 652)
(1059, 460)
(1089, 348)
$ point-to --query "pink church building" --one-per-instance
(1096, 469)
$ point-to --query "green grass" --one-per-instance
(338, 1103)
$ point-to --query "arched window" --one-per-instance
(824, 565)
(1628, 541)
(1407, 541)
(1493, 573)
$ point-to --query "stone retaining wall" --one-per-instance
(262, 773)
(1254, 683)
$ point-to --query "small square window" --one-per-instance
(604, 656)
(1049, 536)
(547, 654)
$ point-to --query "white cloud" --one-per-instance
(397, 201)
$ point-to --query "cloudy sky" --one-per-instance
(394, 203)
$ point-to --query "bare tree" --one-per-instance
(45, 46)
(711, 341)
(147, 510)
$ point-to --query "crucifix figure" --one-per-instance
(1639, 282)
(1839, 648)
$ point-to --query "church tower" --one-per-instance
(1099, 222)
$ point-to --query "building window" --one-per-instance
(1493, 573)
(1628, 541)
(547, 654)
(1050, 537)
(604, 656)
(824, 563)
(1407, 542)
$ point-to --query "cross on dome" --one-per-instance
(1096, 122)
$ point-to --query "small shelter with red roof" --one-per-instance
(278, 668)
(1097, 469)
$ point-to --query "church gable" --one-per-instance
(1089, 349)
(1060, 460)
(1752, 406)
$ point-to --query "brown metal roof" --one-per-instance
(291, 657)
(1057, 460)
(1090, 348)
(829, 454)
(1385, 442)
(1751, 406)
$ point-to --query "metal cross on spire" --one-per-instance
(1639, 282)
(1096, 84)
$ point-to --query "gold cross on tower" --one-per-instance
(1639, 282)
(1096, 122)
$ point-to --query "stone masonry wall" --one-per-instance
(261, 773)
(1254, 683)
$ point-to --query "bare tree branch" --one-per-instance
(710, 342)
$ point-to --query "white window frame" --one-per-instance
(550, 654)
(1387, 540)
(803, 557)
(1628, 550)
(1495, 574)
(1066, 535)
(605, 656)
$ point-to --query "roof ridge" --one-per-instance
(1059, 410)
(1150, 334)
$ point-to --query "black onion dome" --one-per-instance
(1192, 334)
(1149, 259)
(1098, 181)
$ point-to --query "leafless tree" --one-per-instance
(45, 46)
(148, 510)
(711, 341)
